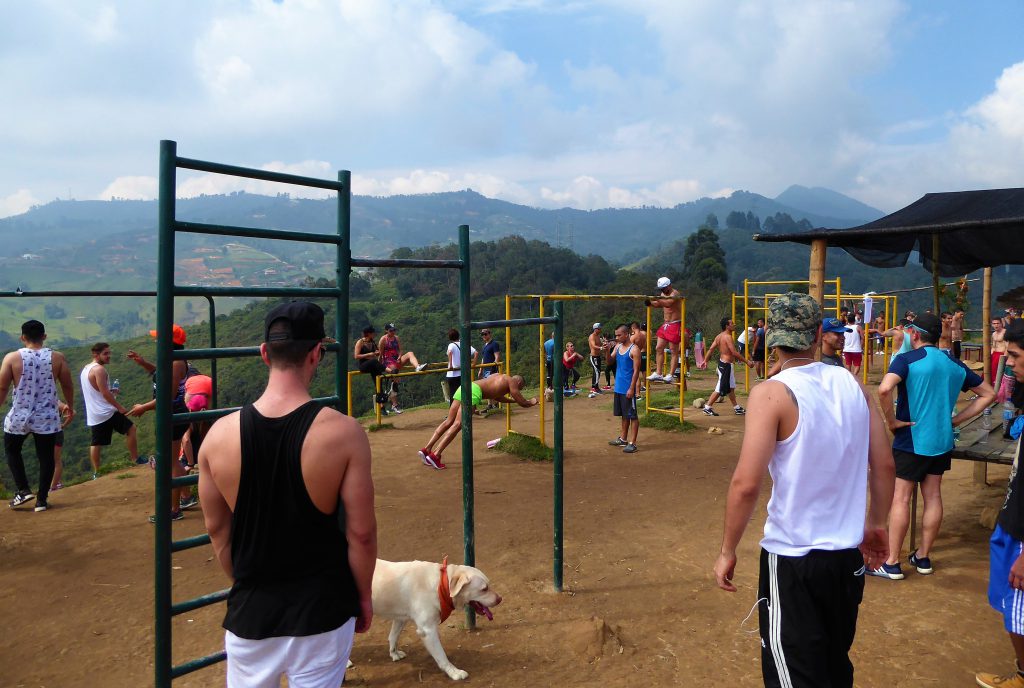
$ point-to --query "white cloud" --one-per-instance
(130, 188)
(17, 203)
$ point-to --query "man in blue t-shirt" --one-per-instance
(549, 356)
(491, 353)
(928, 382)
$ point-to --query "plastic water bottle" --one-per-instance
(986, 425)
(115, 387)
(956, 430)
(1009, 411)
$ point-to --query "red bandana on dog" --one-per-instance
(444, 593)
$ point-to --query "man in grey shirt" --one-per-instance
(832, 341)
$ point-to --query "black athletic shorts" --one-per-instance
(623, 407)
(58, 439)
(807, 613)
(726, 380)
(102, 433)
(914, 467)
(643, 362)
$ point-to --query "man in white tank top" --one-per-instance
(816, 538)
(104, 414)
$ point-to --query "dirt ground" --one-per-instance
(640, 606)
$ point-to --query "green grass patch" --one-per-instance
(116, 465)
(661, 421)
(124, 476)
(526, 447)
(374, 427)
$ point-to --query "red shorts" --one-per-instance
(669, 331)
(852, 358)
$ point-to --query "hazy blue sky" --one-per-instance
(550, 103)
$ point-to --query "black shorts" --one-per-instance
(726, 380)
(178, 430)
(643, 362)
(623, 407)
(807, 613)
(58, 439)
(914, 467)
(102, 433)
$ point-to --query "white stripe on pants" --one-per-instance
(775, 622)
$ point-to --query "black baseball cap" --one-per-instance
(305, 322)
(930, 323)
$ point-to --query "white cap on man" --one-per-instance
(664, 283)
(597, 326)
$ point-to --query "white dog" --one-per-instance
(426, 594)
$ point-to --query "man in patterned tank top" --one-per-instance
(34, 370)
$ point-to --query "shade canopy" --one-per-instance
(975, 229)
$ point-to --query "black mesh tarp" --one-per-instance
(975, 229)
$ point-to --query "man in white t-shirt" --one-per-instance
(454, 375)
(103, 413)
(811, 573)
(853, 346)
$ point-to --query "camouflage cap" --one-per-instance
(793, 320)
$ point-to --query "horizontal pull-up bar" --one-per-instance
(228, 352)
(592, 297)
(752, 283)
(404, 263)
(250, 173)
(190, 542)
(256, 232)
(45, 294)
(484, 324)
(199, 602)
(320, 292)
(213, 414)
(197, 664)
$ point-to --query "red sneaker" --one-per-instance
(423, 456)
(434, 461)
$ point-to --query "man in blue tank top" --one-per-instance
(627, 373)
(288, 500)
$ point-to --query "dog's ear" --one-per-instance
(457, 583)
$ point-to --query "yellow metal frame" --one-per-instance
(440, 368)
(890, 302)
(541, 299)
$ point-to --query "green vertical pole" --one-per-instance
(466, 375)
(164, 322)
(559, 399)
(344, 268)
(213, 345)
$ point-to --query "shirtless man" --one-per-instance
(998, 347)
(638, 336)
(670, 333)
(946, 338)
(726, 380)
(598, 346)
(499, 387)
(956, 332)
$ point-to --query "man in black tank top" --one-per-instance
(288, 501)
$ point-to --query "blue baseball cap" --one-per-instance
(833, 325)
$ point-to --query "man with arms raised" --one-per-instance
(103, 413)
(273, 478)
(34, 370)
(670, 333)
(811, 574)
(929, 383)
(726, 379)
(1006, 551)
(498, 387)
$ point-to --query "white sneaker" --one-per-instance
(667, 378)
(654, 376)
(591, 395)
(396, 410)
(421, 366)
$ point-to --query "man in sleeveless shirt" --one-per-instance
(34, 370)
(287, 496)
(811, 572)
(627, 377)
(103, 413)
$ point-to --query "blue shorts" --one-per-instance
(1003, 552)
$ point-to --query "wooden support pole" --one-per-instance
(935, 273)
(816, 288)
(980, 467)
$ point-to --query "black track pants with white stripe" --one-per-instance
(808, 617)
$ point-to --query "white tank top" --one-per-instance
(852, 341)
(97, 409)
(819, 473)
(34, 404)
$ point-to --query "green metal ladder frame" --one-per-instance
(167, 290)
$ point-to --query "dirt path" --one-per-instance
(641, 606)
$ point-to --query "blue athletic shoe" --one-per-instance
(922, 564)
(890, 571)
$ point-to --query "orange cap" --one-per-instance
(177, 335)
